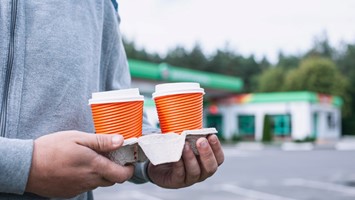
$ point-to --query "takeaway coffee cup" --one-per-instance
(179, 106)
(118, 112)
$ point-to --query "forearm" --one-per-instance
(15, 164)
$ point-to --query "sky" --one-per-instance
(259, 27)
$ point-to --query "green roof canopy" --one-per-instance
(297, 96)
(165, 72)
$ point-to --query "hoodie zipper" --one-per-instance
(9, 65)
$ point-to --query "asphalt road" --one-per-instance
(260, 175)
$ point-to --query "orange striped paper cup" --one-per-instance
(179, 106)
(118, 112)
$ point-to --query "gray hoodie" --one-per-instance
(53, 55)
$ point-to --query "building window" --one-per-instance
(246, 125)
(331, 121)
(281, 125)
(216, 121)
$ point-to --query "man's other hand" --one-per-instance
(68, 163)
(190, 169)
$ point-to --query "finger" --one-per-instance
(208, 162)
(97, 182)
(178, 173)
(216, 148)
(101, 142)
(192, 167)
(105, 183)
(111, 171)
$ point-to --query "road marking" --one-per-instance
(321, 185)
(254, 194)
(291, 146)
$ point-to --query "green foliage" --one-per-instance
(316, 74)
(236, 138)
(221, 138)
(197, 59)
(229, 63)
(321, 48)
(140, 54)
(267, 132)
(288, 61)
(346, 63)
(177, 57)
(271, 80)
(307, 139)
(319, 75)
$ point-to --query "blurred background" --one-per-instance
(279, 78)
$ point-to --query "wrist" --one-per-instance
(140, 173)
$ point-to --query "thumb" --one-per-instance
(102, 142)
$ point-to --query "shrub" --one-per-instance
(267, 133)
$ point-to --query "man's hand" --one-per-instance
(68, 163)
(190, 169)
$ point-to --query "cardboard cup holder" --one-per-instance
(158, 148)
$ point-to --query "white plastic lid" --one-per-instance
(114, 96)
(177, 88)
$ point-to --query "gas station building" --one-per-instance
(294, 115)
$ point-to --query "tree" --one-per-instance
(288, 61)
(320, 75)
(346, 60)
(346, 63)
(322, 47)
(264, 63)
(248, 70)
(222, 62)
(133, 52)
(196, 59)
(271, 80)
(177, 56)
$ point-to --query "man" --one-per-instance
(54, 54)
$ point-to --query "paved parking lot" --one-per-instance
(270, 174)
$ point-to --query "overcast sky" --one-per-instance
(261, 27)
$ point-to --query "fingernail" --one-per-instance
(203, 144)
(116, 140)
(213, 139)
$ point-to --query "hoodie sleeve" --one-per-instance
(15, 164)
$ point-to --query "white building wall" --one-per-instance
(229, 121)
(301, 118)
(324, 130)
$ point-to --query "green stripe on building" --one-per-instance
(302, 96)
(283, 97)
(145, 70)
(165, 72)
